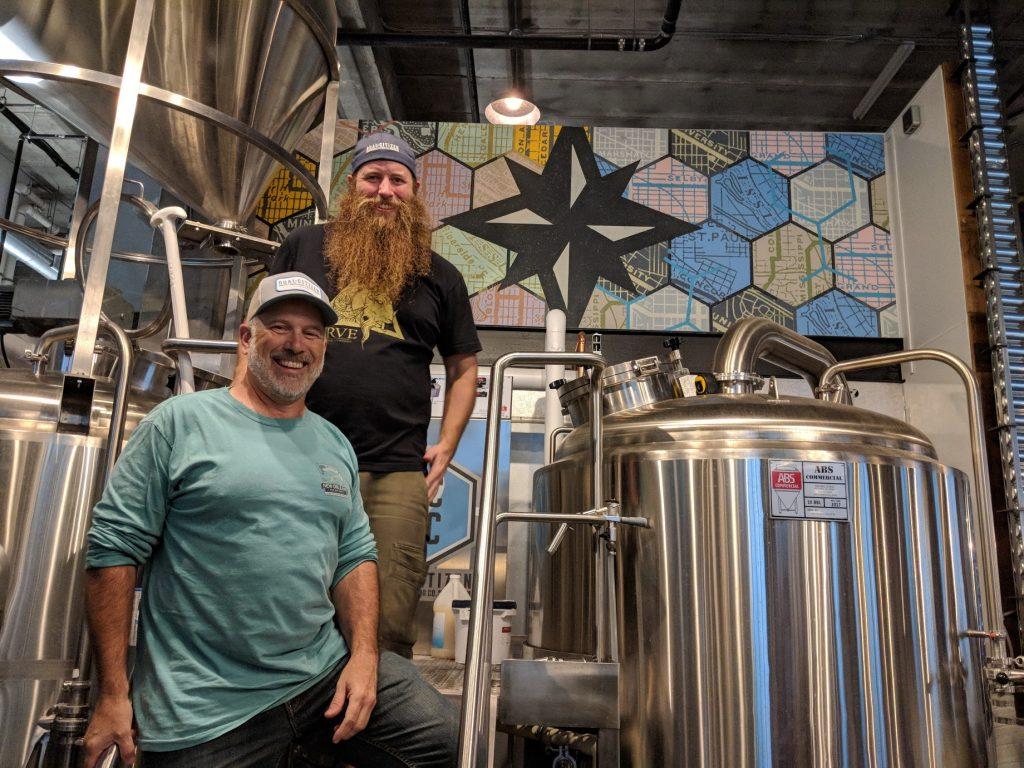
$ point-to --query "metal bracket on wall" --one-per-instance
(1002, 261)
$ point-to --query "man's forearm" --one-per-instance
(109, 596)
(459, 398)
(357, 607)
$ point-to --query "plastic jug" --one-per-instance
(442, 639)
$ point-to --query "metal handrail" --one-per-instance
(222, 346)
(473, 750)
(982, 525)
(553, 440)
(49, 71)
(119, 405)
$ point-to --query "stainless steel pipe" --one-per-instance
(754, 338)
(476, 690)
(83, 232)
(983, 525)
(173, 346)
(556, 433)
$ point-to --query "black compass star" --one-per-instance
(569, 225)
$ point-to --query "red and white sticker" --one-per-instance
(809, 490)
(787, 480)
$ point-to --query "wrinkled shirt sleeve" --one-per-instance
(356, 544)
(128, 520)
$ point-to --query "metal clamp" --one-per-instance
(646, 365)
(742, 380)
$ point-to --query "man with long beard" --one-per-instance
(258, 620)
(396, 302)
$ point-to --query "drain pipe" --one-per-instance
(513, 40)
(166, 220)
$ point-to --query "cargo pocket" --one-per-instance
(400, 586)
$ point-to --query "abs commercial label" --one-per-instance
(809, 490)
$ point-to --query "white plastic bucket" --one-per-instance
(501, 629)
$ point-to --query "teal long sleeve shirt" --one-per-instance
(245, 523)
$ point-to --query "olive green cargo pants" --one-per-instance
(396, 503)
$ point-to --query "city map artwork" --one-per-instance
(644, 229)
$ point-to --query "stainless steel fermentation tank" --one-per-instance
(206, 96)
(228, 87)
(807, 589)
(48, 484)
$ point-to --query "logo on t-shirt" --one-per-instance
(333, 481)
(367, 314)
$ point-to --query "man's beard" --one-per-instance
(273, 384)
(380, 254)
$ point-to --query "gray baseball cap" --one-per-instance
(383, 146)
(290, 285)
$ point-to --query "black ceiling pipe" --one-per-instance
(513, 40)
(616, 43)
(28, 133)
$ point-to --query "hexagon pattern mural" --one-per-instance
(864, 267)
(643, 229)
(445, 185)
(792, 264)
(787, 152)
(880, 203)
(831, 200)
(672, 188)
(749, 198)
(622, 146)
(712, 262)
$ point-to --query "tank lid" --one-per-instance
(755, 421)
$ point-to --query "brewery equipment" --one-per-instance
(183, 89)
(211, 125)
(50, 482)
(812, 586)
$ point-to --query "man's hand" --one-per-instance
(356, 694)
(111, 723)
(438, 457)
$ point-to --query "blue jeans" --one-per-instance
(412, 726)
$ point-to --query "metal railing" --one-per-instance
(980, 524)
(473, 732)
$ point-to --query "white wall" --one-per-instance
(929, 270)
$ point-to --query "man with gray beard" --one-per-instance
(258, 620)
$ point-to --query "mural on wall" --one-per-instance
(645, 229)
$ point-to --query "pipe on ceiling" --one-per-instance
(514, 41)
(47, 149)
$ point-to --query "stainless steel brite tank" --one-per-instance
(48, 484)
(799, 599)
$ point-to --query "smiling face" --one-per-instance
(285, 345)
(380, 241)
(385, 181)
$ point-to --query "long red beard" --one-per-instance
(381, 254)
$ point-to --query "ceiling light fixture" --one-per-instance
(512, 109)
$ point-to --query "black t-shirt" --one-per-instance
(376, 381)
